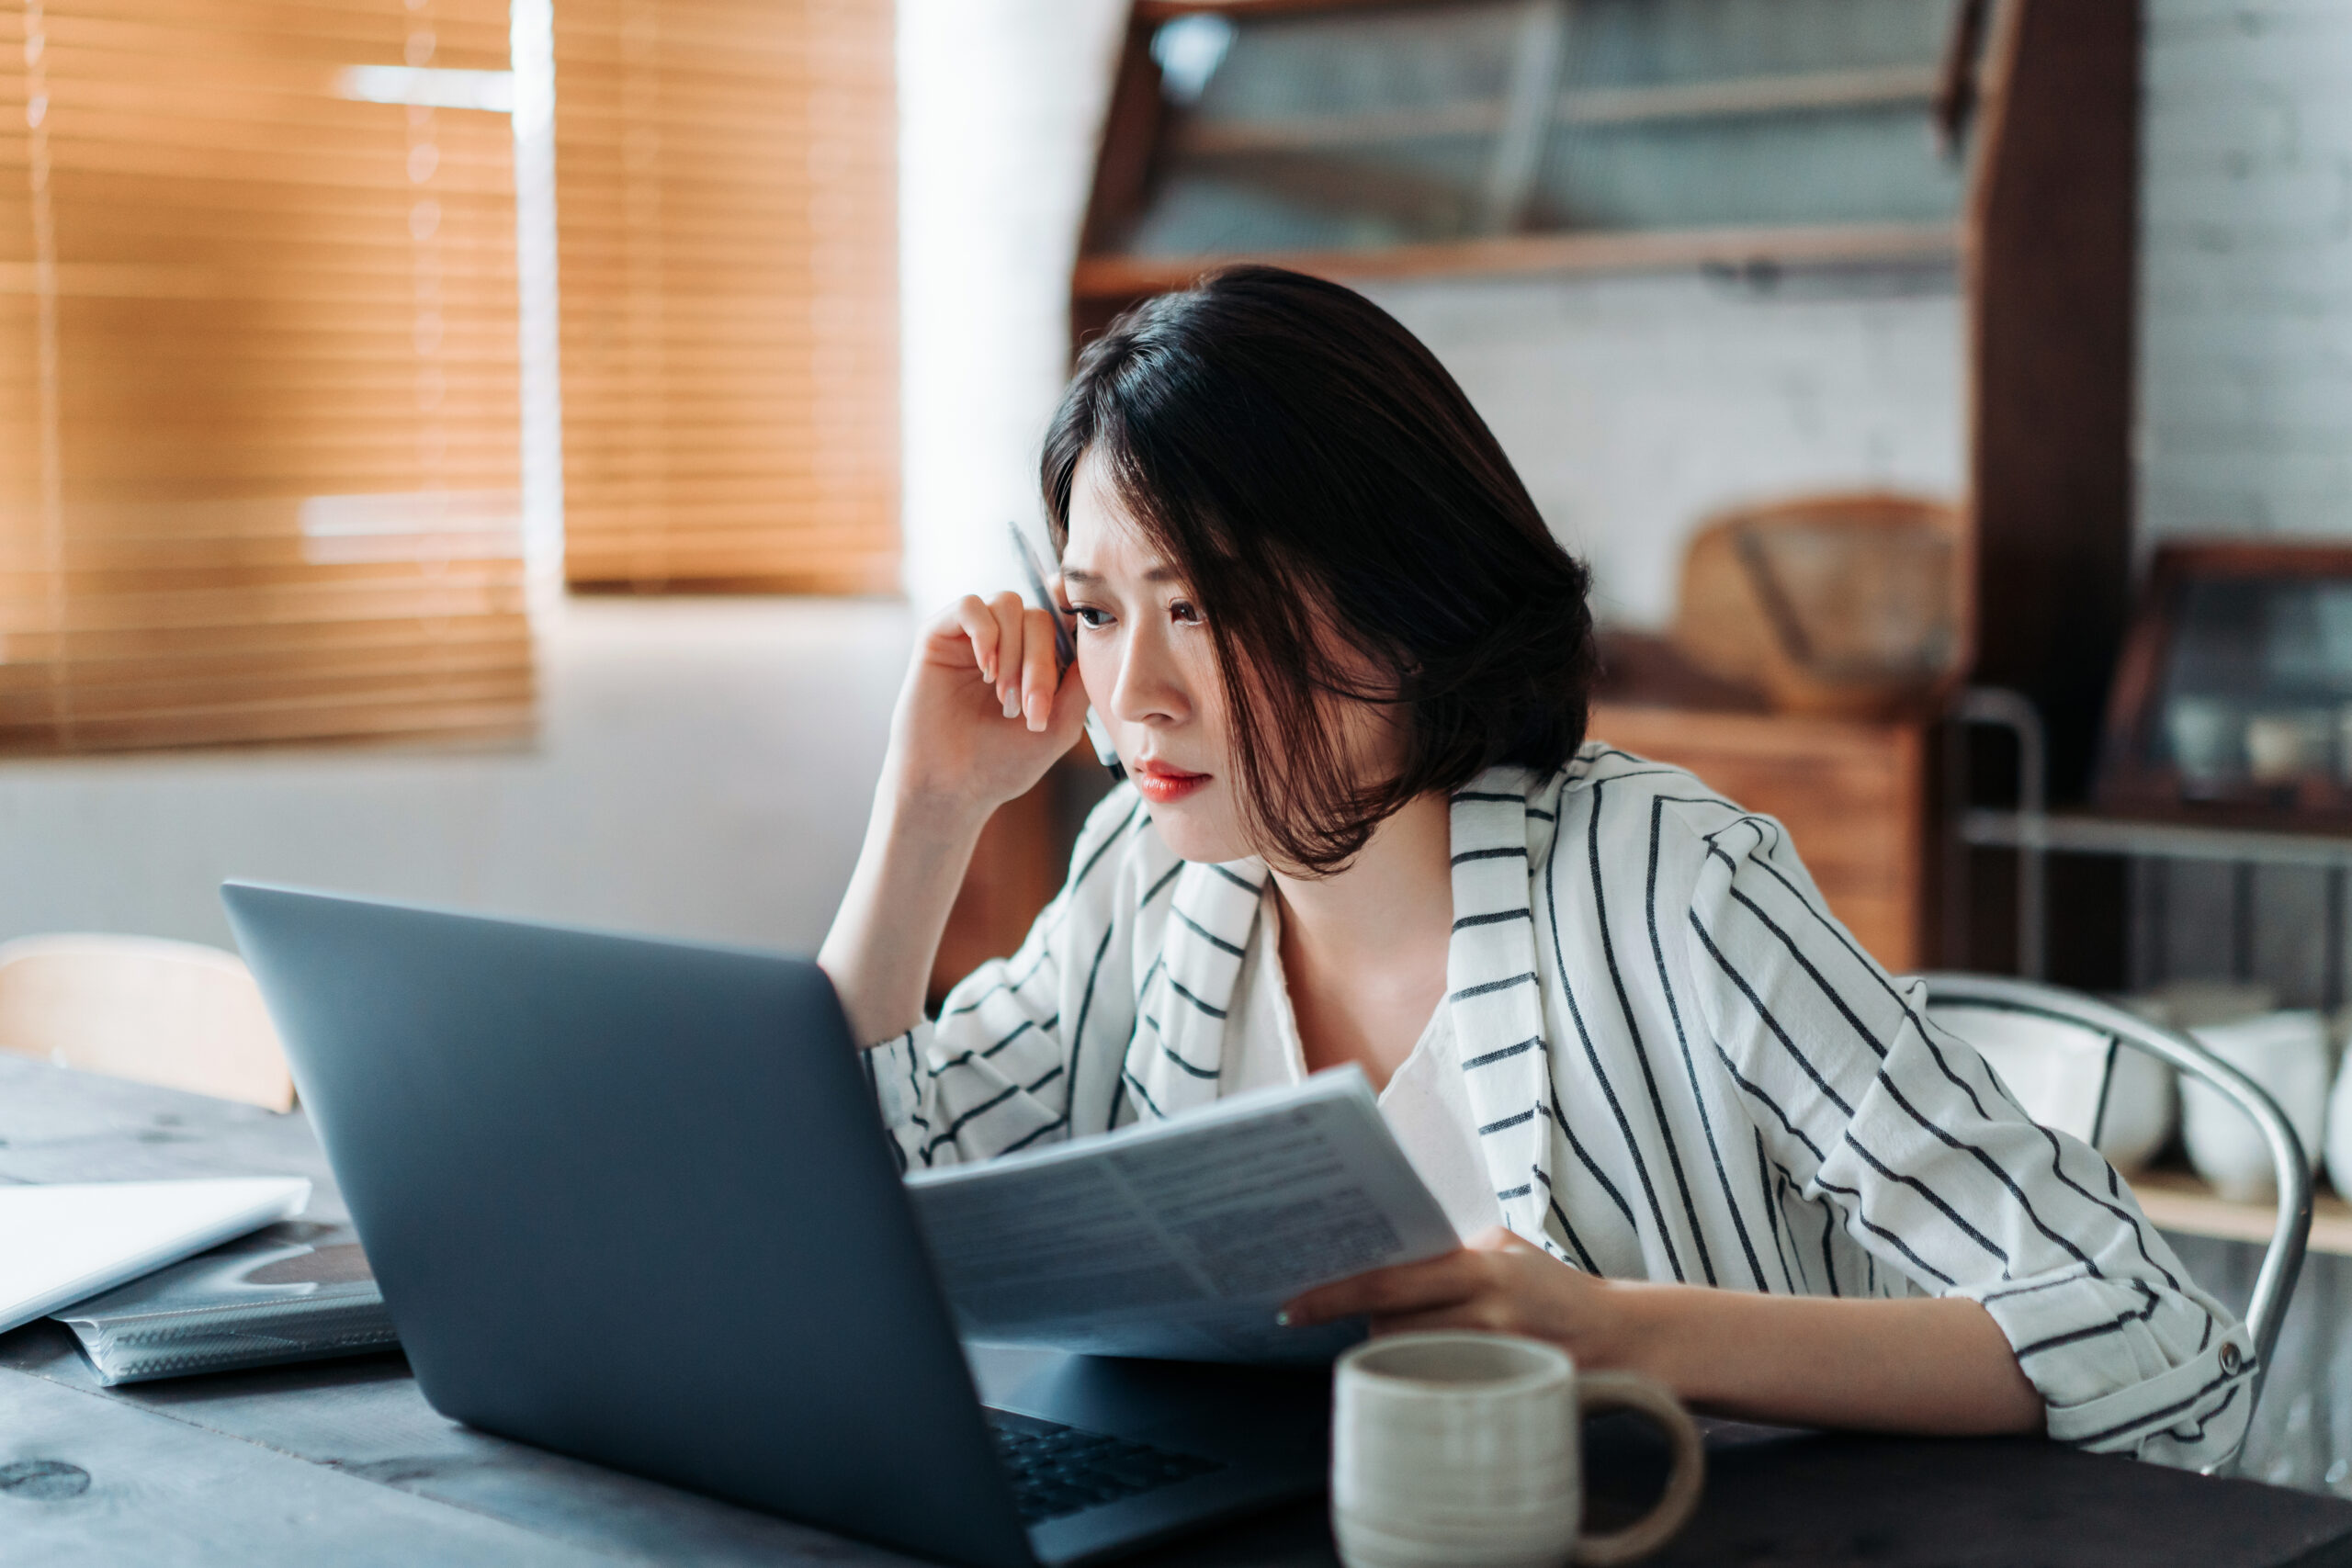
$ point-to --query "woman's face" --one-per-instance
(1151, 667)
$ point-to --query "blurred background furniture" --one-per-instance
(1843, 605)
(2232, 700)
(2033, 1033)
(173, 1013)
(1853, 794)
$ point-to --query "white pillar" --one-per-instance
(1001, 103)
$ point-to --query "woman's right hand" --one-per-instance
(983, 713)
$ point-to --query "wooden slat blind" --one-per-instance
(726, 222)
(258, 396)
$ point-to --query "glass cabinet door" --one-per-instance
(1354, 129)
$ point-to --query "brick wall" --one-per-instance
(2245, 380)
(2245, 383)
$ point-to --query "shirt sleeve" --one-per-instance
(1939, 1174)
(995, 1072)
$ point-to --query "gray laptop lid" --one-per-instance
(629, 1200)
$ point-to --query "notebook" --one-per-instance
(292, 1291)
(61, 1243)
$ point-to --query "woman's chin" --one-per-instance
(1197, 835)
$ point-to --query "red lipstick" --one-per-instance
(1163, 785)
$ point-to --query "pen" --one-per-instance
(1065, 647)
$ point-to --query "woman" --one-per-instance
(1689, 1125)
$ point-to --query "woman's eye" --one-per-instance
(1184, 613)
(1090, 618)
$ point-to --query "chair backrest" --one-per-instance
(172, 1013)
(1997, 1003)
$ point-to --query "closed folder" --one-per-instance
(293, 1291)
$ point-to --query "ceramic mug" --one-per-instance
(1464, 1450)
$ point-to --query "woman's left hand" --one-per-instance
(1495, 1283)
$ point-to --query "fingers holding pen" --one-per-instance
(979, 624)
(1012, 648)
(1041, 670)
(1012, 615)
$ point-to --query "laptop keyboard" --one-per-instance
(1058, 1470)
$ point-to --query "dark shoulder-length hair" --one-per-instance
(1336, 507)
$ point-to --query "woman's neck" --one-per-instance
(1363, 953)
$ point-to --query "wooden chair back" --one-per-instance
(172, 1013)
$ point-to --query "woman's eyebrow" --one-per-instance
(1156, 574)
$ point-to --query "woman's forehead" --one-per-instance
(1105, 540)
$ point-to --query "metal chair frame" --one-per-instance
(2282, 1260)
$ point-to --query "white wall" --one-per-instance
(2245, 387)
(1636, 406)
(704, 769)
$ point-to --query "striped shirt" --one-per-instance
(1680, 1065)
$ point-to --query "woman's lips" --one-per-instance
(1164, 786)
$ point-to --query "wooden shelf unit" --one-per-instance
(1124, 280)
(1600, 105)
(1507, 119)
(2181, 1202)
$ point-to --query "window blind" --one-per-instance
(725, 213)
(258, 423)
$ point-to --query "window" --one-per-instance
(258, 427)
(261, 397)
(725, 208)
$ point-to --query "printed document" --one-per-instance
(1182, 1238)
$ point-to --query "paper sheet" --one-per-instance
(1182, 1239)
(64, 1243)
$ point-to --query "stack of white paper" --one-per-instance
(60, 1243)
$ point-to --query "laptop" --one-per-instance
(630, 1200)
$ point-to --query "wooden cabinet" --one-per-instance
(1852, 794)
(1394, 140)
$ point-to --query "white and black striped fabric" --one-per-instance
(1681, 1067)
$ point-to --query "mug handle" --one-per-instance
(1597, 1392)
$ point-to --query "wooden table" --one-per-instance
(344, 1462)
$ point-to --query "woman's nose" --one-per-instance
(1148, 690)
